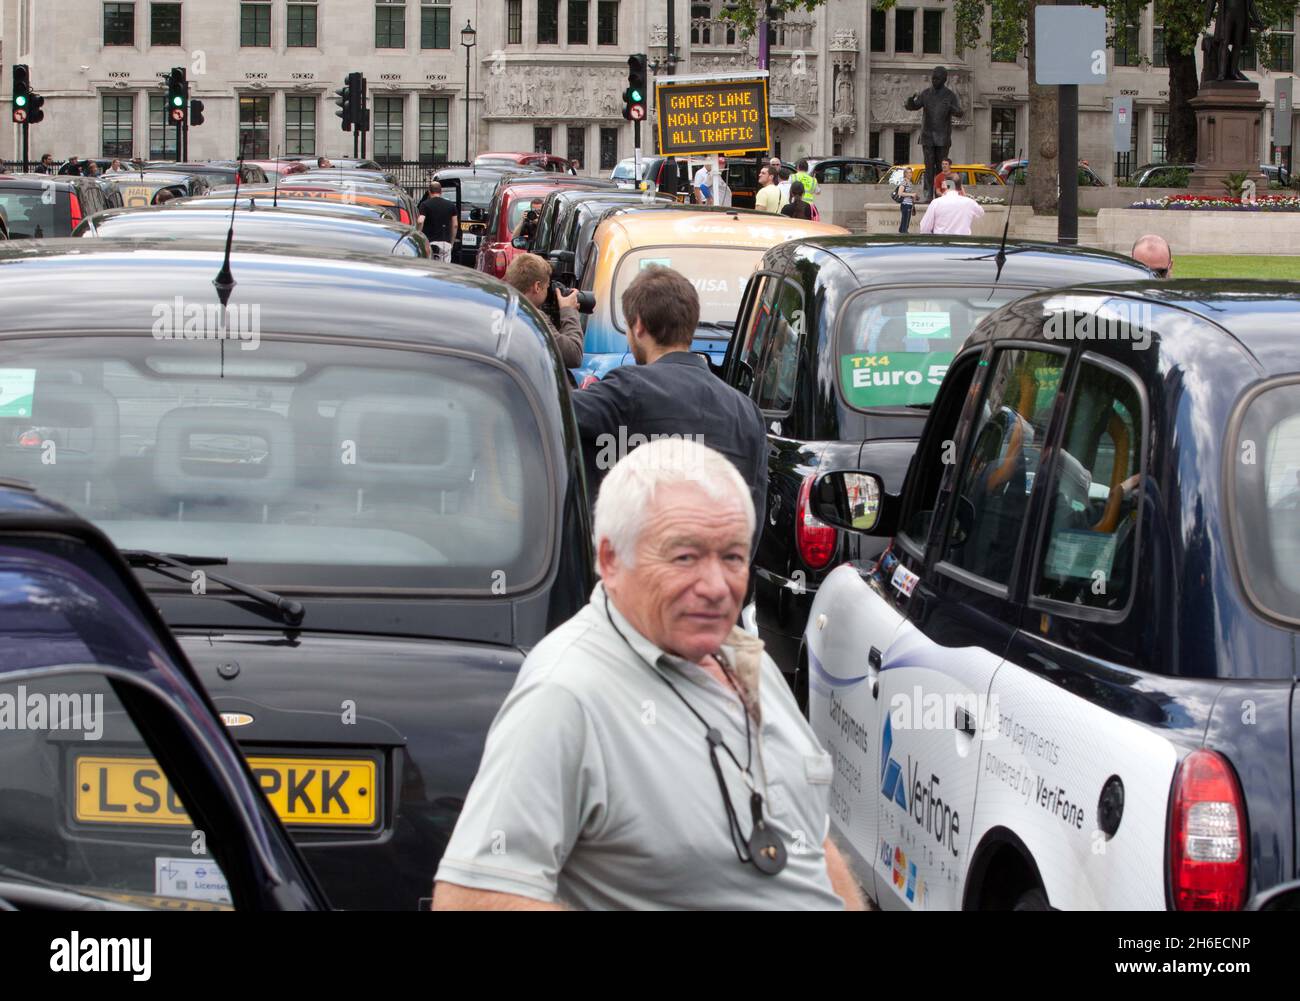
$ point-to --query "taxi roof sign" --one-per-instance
(700, 115)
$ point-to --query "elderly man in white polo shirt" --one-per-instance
(952, 214)
(650, 754)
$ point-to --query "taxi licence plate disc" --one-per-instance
(338, 792)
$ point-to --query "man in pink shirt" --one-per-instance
(951, 214)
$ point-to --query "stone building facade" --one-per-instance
(543, 74)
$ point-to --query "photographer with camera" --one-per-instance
(527, 226)
(530, 276)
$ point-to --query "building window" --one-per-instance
(873, 145)
(299, 125)
(608, 149)
(119, 24)
(1282, 46)
(116, 137)
(607, 22)
(301, 33)
(435, 129)
(514, 22)
(387, 126)
(701, 32)
(254, 25)
(541, 138)
(1158, 47)
(904, 31)
(902, 147)
(878, 30)
(162, 133)
(932, 32)
(435, 24)
(1159, 130)
(548, 22)
(1002, 134)
(390, 24)
(578, 33)
(576, 145)
(255, 127)
(1128, 51)
(165, 24)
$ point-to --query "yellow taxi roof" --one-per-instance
(759, 230)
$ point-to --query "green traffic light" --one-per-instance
(636, 96)
(21, 100)
(178, 100)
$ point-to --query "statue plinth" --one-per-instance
(1229, 123)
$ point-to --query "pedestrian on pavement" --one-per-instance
(323, 162)
(946, 172)
(703, 182)
(784, 184)
(530, 276)
(768, 197)
(46, 166)
(906, 195)
(1155, 253)
(670, 390)
(114, 167)
(527, 225)
(952, 213)
(650, 754)
(71, 169)
(437, 218)
(809, 186)
(797, 208)
(90, 168)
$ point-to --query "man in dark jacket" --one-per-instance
(670, 391)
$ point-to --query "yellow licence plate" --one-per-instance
(320, 791)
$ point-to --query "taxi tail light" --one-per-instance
(404, 216)
(1208, 864)
(814, 539)
(75, 204)
(498, 263)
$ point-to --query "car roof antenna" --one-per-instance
(1001, 258)
(225, 281)
(275, 191)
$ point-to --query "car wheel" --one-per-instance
(1032, 900)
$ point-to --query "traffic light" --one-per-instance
(196, 112)
(357, 100)
(634, 98)
(343, 98)
(34, 104)
(176, 93)
(22, 93)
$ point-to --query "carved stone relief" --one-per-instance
(890, 89)
(523, 91)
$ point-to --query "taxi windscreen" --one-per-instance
(477, 191)
(894, 345)
(301, 463)
(719, 275)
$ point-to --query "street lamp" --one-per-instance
(467, 39)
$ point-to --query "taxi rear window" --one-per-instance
(718, 273)
(302, 463)
(34, 213)
(894, 345)
(1266, 501)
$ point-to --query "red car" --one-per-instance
(509, 204)
(538, 161)
(281, 167)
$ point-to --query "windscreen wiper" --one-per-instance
(727, 325)
(291, 611)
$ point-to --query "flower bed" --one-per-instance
(1222, 203)
(986, 200)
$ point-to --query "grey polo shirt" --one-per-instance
(596, 790)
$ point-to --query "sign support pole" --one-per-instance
(25, 128)
(1067, 208)
(636, 149)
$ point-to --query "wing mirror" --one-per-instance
(476, 214)
(1284, 897)
(853, 500)
(519, 243)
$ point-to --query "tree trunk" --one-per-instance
(1044, 115)
(1180, 140)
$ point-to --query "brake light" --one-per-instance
(814, 539)
(404, 216)
(30, 439)
(498, 263)
(75, 204)
(1207, 850)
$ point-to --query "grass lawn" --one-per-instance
(1233, 266)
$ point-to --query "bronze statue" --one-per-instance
(940, 106)
(1224, 49)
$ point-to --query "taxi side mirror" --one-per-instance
(853, 500)
(476, 214)
(1284, 897)
(519, 243)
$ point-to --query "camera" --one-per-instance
(586, 302)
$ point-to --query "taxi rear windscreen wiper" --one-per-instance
(164, 563)
(727, 325)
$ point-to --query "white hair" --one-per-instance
(629, 489)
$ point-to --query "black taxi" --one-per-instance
(354, 492)
(1070, 681)
(843, 342)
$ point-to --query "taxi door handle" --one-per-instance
(874, 660)
(963, 721)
